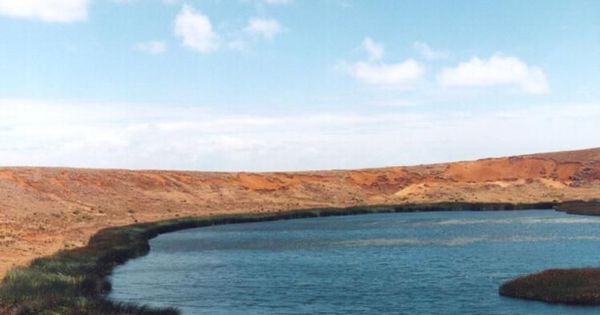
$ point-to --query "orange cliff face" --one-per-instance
(45, 209)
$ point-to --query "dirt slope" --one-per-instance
(45, 209)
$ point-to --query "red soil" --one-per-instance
(45, 209)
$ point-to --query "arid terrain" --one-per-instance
(43, 210)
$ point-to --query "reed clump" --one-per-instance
(564, 286)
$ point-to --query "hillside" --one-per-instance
(45, 209)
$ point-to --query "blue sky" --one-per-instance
(294, 84)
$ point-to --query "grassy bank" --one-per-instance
(74, 281)
(565, 286)
(580, 207)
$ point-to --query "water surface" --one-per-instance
(403, 263)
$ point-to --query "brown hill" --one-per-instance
(45, 209)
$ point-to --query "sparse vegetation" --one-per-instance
(74, 281)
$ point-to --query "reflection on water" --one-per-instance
(405, 263)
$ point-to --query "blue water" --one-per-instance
(404, 263)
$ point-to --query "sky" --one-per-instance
(259, 85)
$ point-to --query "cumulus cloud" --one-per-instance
(401, 75)
(153, 47)
(61, 11)
(171, 137)
(196, 31)
(265, 27)
(498, 70)
(428, 53)
(398, 75)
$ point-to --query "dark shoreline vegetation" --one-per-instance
(561, 286)
(75, 281)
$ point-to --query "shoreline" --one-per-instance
(75, 281)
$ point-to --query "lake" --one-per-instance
(399, 263)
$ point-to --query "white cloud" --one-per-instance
(62, 11)
(401, 75)
(374, 48)
(153, 47)
(171, 137)
(428, 53)
(397, 75)
(498, 70)
(266, 27)
(196, 31)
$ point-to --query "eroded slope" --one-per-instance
(46, 209)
